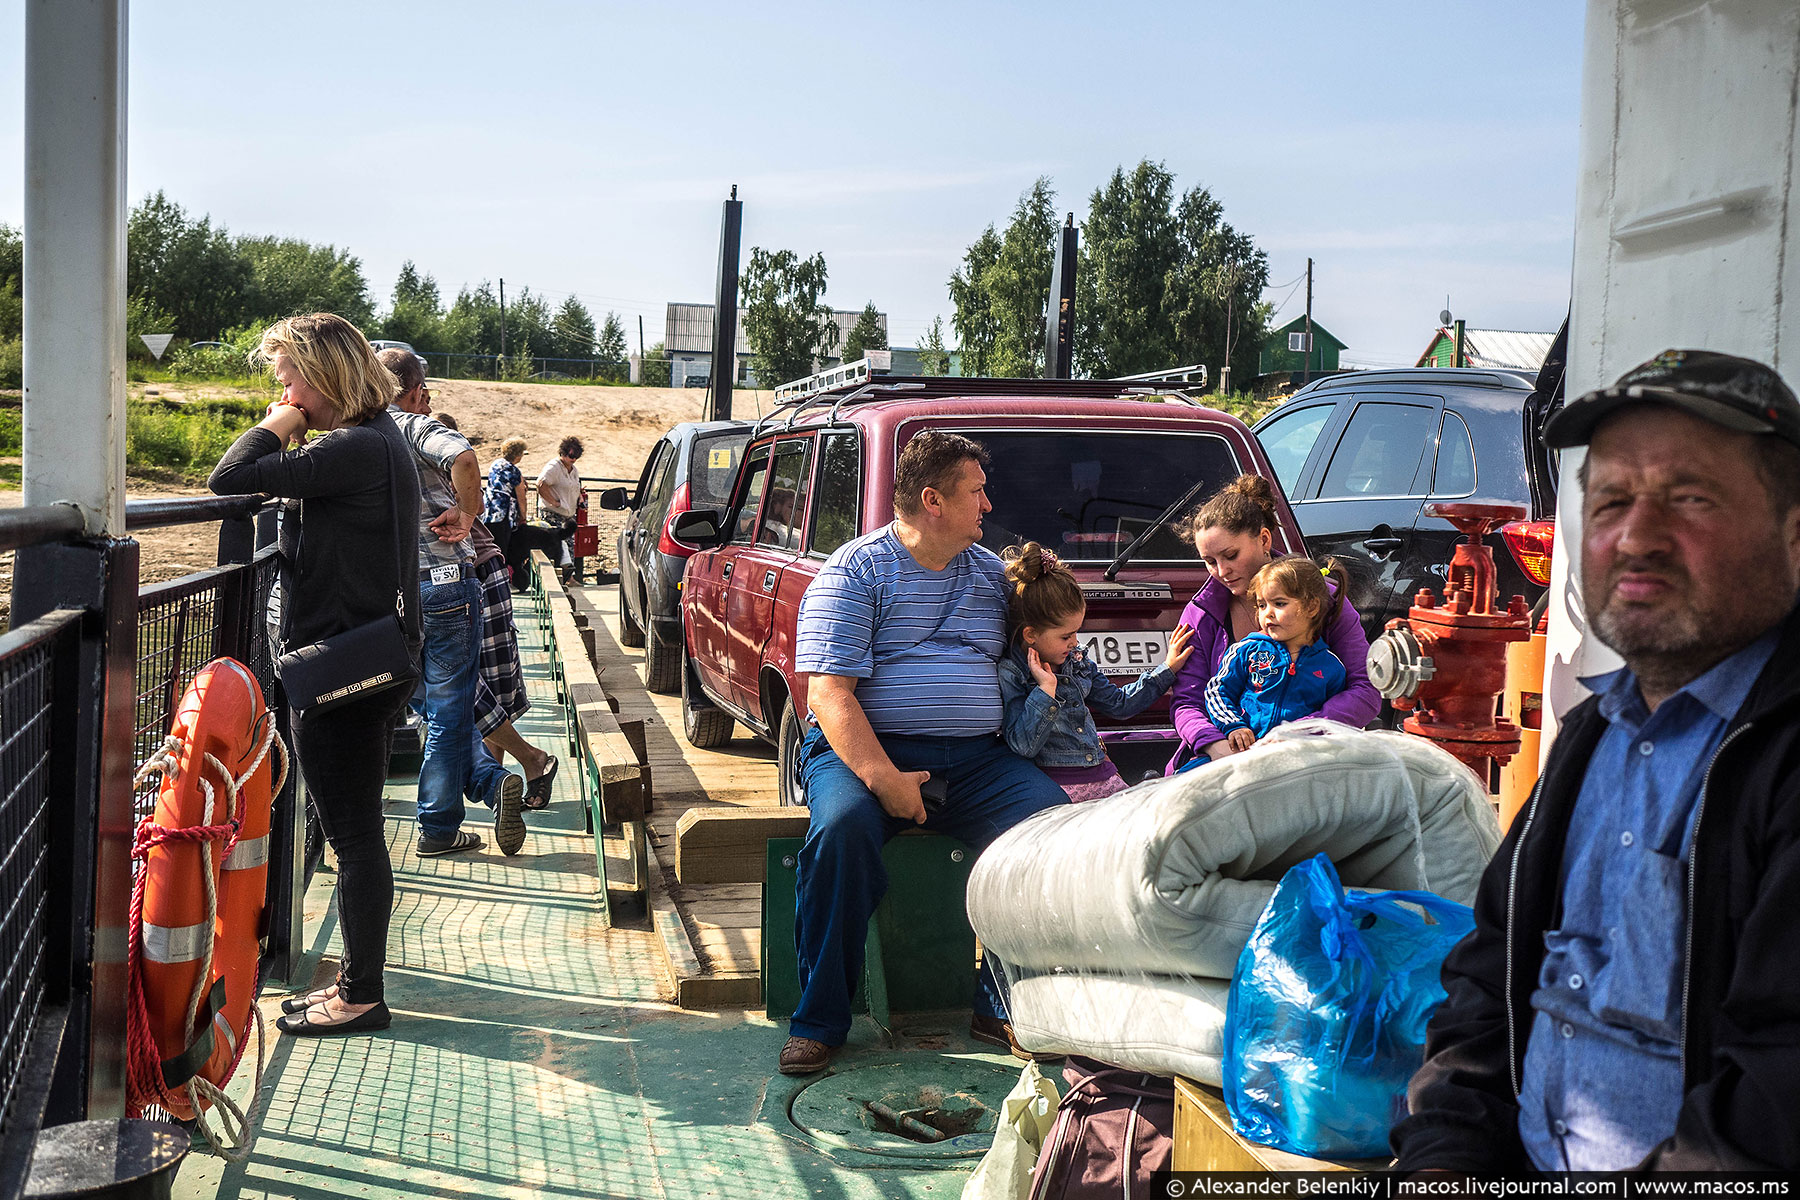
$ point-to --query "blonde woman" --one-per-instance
(503, 496)
(349, 539)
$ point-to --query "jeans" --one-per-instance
(485, 773)
(343, 756)
(452, 625)
(841, 877)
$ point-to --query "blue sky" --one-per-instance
(1412, 150)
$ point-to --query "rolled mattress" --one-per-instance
(1157, 1023)
(1169, 877)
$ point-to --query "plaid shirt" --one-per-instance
(435, 446)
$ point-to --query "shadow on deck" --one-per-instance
(534, 1051)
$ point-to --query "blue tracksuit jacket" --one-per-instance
(1259, 685)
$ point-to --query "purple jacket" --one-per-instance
(1208, 614)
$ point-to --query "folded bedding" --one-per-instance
(1169, 877)
(1161, 1024)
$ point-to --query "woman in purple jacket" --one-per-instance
(1233, 532)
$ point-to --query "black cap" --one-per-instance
(1737, 393)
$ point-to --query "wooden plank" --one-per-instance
(734, 989)
(726, 845)
(1204, 1140)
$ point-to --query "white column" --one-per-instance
(74, 412)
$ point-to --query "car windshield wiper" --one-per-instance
(1162, 519)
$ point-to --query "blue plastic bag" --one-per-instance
(1326, 1019)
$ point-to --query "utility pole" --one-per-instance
(640, 338)
(503, 315)
(1306, 374)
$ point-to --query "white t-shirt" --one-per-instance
(564, 484)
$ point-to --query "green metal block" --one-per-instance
(920, 950)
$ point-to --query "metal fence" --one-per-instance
(86, 692)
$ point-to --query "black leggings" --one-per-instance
(343, 757)
(523, 540)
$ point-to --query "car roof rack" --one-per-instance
(859, 383)
(1503, 378)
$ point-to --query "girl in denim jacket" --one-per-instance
(1049, 686)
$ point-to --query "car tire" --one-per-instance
(630, 632)
(790, 786)
(662, 664)
(704, 724)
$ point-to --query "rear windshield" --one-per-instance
(713, 465)
(1087, 495)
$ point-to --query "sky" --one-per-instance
(1412, 151)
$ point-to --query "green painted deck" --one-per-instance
(533, 1050)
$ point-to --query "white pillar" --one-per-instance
(74, 410)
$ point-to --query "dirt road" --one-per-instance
(618, 426)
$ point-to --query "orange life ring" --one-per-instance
(198, 908)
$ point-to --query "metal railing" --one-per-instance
(89, 680)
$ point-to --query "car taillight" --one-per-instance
(666, 544)
(1531, 543)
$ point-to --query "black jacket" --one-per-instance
(1741, 992)
(355, 537)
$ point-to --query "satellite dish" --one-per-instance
(1444, 317)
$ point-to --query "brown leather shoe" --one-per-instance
(996, 1032)
(804, 1056)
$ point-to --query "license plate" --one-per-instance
(1126, 652)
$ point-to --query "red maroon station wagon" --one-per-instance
(1087, 468)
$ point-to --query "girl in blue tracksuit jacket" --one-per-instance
(1286, 671)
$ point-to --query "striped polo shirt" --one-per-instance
(925, 644)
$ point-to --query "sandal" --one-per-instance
(301, 1024)
(294, 1004)
(537, 792)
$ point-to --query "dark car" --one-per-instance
(1089, 468)
(1359, 455)
(692, 466)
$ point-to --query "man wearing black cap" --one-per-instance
(1630, 997)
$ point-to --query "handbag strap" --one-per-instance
(401, 558)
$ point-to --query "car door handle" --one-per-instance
(768, 581)
(1382, 545)
(725, 571)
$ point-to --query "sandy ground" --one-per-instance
(617, 426)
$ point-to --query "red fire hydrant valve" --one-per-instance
(1446, 659)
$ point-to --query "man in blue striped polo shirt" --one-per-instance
(902, 634)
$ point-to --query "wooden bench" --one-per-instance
(730, 845)
(615, 781)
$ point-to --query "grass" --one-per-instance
(184, 439)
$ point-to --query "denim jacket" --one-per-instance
(1060, 732)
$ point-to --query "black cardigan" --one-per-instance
(1741, 997)
(353, 538)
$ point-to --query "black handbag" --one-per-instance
(370, 658)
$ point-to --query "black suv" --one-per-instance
(1359, 455)
(692, 466)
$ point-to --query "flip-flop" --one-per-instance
(537, 792)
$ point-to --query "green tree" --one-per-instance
(1216, 289)
(1002, 287)
(288, 276)
(656, 367)
(573, 331)
(977, 328)
(472, 326)
(610, 347)
(787, 322)
(12, 282)
(530, 327)
(187, 268)
(417, 315)
(867, 334)
(933, 358)
(1130, 244)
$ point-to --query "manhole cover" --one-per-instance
(895, 1109)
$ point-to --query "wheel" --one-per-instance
(792, 788)
(704, 724)
(630, 632)
(662, 664)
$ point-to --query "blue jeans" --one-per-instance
(452, 624)
(841, 875)
(485, 773)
